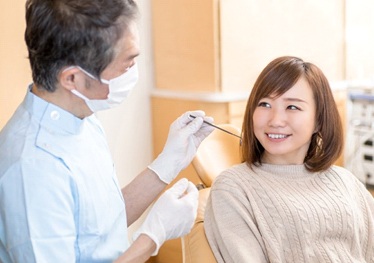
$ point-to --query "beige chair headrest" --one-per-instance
(216, 153)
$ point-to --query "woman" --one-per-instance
(287, 202)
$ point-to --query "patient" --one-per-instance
(287, 202)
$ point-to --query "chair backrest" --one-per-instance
(216, 153)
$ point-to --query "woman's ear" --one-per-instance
(317, 127)
(69, 78)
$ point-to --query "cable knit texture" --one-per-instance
(283, 213)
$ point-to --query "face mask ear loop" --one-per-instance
(92, 77)
(105, 81)
(88, 74)
(68, 68)
(80, 95)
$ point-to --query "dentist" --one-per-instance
(59, 196)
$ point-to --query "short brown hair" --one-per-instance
(277, 78)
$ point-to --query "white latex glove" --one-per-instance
(172, 215)
(185, 136)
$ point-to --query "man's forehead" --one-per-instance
(128, 45)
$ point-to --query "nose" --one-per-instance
(277, 118)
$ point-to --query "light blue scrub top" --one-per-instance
(59, 196)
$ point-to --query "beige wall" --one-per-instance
(14, 66)
(313, 30)
(360, 39)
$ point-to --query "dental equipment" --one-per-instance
(219, 128)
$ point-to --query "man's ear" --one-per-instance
(69, 78)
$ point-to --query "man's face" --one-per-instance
(126, 50)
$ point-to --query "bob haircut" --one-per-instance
(277, 78)
(84, 33)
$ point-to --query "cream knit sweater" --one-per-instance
(283, 213)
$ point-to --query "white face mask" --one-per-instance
(119, 89)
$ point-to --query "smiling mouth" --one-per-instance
(277, 136)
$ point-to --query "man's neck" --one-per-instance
(64, 99)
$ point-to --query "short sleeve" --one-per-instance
(37, 212)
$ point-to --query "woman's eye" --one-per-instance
(293, 107)
(264, 104)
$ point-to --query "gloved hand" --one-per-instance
(172, 215)
(185, 136)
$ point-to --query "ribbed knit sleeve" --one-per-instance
(230, 223)
(284, 213)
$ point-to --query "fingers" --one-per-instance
(197, 126)
(194, 126)
(180, 187)
(201, 115)
(192, 189)
(207, 129)
(185, 125)
(204, 131)
(185, 118)
(196, 113)
(191, 198)
(192, 193)
(185, 189)
(194, 123)
(209, 119)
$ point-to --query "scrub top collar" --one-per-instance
(50, 115)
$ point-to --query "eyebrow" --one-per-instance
(131, 57)
(291, 99)
(295, 100)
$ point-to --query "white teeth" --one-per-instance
(277, 136)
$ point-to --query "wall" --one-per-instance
(14, 66)
(360, 39)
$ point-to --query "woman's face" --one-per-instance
(284, 125)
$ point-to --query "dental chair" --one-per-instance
(216, 153)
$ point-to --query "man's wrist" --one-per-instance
(140, 250)
(164, 167)
(148, 243)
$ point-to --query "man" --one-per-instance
(59, 196)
